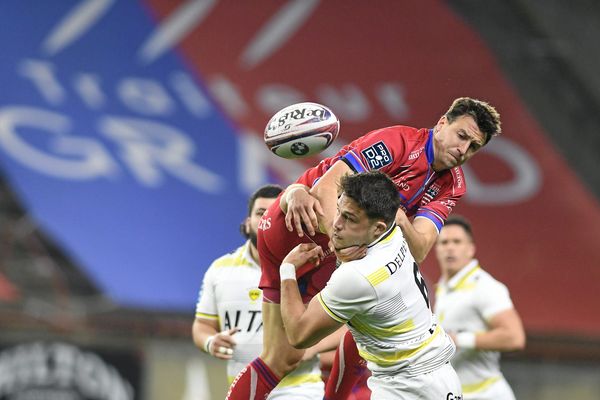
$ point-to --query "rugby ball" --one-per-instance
(301, 130)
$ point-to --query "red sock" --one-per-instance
(254, 382)
(347, 369)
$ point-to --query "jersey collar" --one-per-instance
(385, 237)
(461, 276)
(429, 148)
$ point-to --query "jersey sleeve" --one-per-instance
(347, 293)
(492, 298)
(441, 205)
(206, 307)
(381, 149)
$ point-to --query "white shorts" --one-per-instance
(500, 390)
(441, 384)
(306, 391)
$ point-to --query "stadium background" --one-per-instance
(130, 138)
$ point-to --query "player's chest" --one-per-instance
(457, 309)
(237, 288)
(417, 185)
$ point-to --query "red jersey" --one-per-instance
(404, 154)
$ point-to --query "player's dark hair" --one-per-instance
(267, 191)
(486, 116)
(374, 192)
(461, 221)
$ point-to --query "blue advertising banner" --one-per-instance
(125, 163)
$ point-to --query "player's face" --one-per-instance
(351, 225)
(258, 209)
(454, 143)
(454, 249)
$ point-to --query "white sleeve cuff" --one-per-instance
(465, 340)
(287, 271)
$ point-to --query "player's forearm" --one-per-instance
(201, 332)
(326, 191)
(418, 243)
(500, 340)
(292, 309)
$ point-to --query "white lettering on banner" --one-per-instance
(44, 79)
(75, 157)
(145, 96)
(59, 366)
(349, 102)
(88, 88)
(147, 145)
(525, 184)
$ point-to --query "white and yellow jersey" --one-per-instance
(465, 303)
(230, 295)
(383, 299)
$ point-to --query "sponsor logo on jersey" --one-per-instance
(264, 223)
(431, 193)
(377, 155)
(415, 153)
(459, 177)
(452, 396)
(254, 294)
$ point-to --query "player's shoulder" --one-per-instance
(486, 281)
(403, 132)
(454, 180)
(236, 258)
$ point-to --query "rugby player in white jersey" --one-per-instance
(477, 312)
(381, 297)
(228, 322)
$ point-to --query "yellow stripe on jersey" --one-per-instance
(206, 316)
(462, 284)
(390, 236)
(376, 332)
(387, 359)
(380, 275)
(328, 310)
(233, 260)
(478, 387)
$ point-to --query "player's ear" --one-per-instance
(380, 228)
(441, 122)
(245, 228)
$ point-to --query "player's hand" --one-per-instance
(304, 253)
(302, 209)
(351, 253)
(223, 344)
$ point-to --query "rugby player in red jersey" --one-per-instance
(425, 166)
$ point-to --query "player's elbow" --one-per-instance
(298, 338)
(518, 341)
(298, 341)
